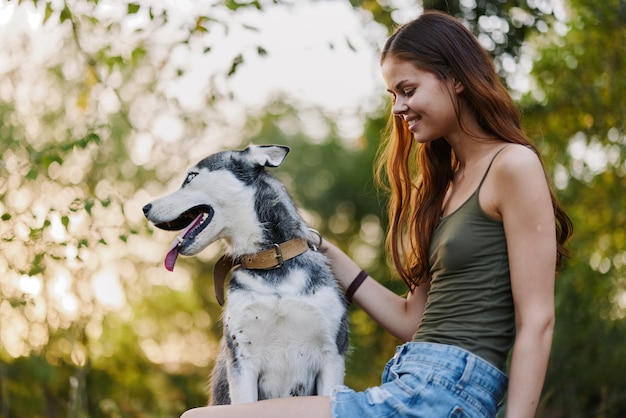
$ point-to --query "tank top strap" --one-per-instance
(489, 167)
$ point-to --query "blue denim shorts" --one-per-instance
(427, 380)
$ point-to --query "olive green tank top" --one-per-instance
(470, 303)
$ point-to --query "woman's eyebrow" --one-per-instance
(400, 84)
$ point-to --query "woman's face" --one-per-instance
(422, 99)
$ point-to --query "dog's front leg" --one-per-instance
(331, 374)
(243, 383)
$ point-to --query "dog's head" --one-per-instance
(216, 201)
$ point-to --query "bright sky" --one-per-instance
(300, 60)
(298, 38)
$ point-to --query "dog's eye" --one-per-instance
(190, 177)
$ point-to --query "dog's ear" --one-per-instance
(267, 155)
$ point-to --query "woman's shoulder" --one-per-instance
(517, 161)
(519, 177)
(515, 177)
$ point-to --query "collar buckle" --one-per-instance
(279, 256)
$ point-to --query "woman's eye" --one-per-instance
(408, 93)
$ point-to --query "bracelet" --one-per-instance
(354, 286)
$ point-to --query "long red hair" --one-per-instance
(418, 175)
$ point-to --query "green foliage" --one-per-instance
(72, 266)
(579, 121)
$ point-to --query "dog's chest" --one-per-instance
(264, 320)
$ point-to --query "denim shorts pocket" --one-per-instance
(410, 383)
(463, 401)
(411, 376)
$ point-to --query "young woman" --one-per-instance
(475, 232)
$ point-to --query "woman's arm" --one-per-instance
(526, 208)
(398, 315)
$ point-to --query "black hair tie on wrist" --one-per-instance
(354, 286)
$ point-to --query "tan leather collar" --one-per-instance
(272, 258)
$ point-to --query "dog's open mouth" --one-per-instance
(193, 221)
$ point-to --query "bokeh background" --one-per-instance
(105, 103)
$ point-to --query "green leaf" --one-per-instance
(82, 143)
(138, 54)
(49, 159)
(350, 45)
(47, 13)
(35, 233)
(238, 60)
(5, 216)
(200, 25)
(37, 265)
(235, 5)
(32, 174)
(250, 28)
(232, 5)
(89, 204)
(133, 8)
(115, 61)
(66, 14)
(16, 303)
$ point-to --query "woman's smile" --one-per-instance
(413, 123)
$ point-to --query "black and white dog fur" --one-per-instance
(285, 329)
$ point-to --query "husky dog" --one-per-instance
(285, 321)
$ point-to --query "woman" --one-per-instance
(475, 232)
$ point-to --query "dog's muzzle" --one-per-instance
(192, 222)
(183, 220)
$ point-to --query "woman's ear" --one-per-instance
(458, 86)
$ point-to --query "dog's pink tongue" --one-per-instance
(172, 253)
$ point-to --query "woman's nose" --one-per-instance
(399, 107)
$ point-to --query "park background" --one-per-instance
(105, 103)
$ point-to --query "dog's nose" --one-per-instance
(146, 209)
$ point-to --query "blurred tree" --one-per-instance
(89, 326)
(502, 27)
(577, 114)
